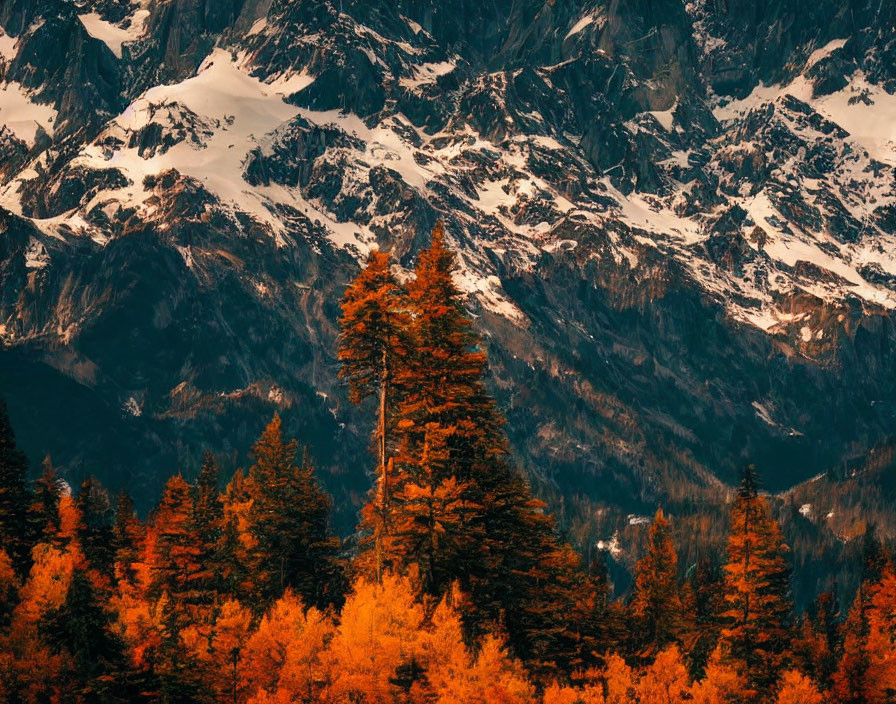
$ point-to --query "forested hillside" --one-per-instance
(456, 588)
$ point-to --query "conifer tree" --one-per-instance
(816, 643)
(850, 681)
(875, 559)
(207, 510)
(232, 559)
(655, 608)
(431, 529)
(175, 553)
(448, 432)
(444, 381)
(881, 641)
(45, 506)
(127, 537)
(796, 688)
(372, 347)
(9, 589)
(95, 527)
(231, 562)
(208, 518)
(80, 627)
(707, 587)
(758, 607)
(289, 519)
(462, 512)
(15, 499)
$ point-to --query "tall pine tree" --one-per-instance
(81, 628)
(756, 633)
(372, 347)
(461, 512)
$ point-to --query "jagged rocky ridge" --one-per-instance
(676, 223)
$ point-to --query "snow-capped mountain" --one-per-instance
(676, 224)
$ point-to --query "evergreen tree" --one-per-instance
(372, 347)
(174, 554)
(232, 557)
(127, 538)
(852, 680)
(461, 512)
(15, 499)
(708, 588)
(208, 518)
(816, 643)
(431, 529)
(756, 634)
(45, 506)
(176, 672)
(289, 520)
(444, 379)
(448, 432)
(9, 591)
(95, 527)
(81, 628)
(655, 609)
(208, 511)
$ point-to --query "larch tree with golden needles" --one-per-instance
(372, 346)
(758, 607)
(796, 688)
(665, 681)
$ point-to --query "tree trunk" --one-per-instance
(384, 479)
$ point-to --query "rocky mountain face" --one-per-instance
(676, 224)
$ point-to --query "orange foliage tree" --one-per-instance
(656, 610)
(757, 589)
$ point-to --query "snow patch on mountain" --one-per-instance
(114, 35)
(238, 111)
(425, 74)
(7, 45)
(22, 116)
(864, 110)
(825, 51)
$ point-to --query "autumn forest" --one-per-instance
(457, 587)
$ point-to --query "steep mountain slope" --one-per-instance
(676, 224)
